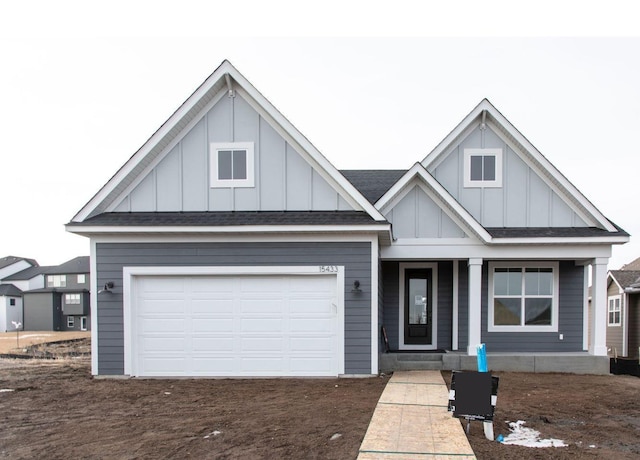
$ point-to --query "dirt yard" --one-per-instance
(57, 410)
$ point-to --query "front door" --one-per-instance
(418, 311)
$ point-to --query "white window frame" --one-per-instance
(72, 299)
(553, 327)
(81, 279)
(611, 301)
(57, 281)
(83, 323)
(468, 153)
(214, 180)
(71, 321)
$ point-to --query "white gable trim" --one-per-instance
(242, 85)
(437, 193)
(435, 157)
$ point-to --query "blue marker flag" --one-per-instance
(482, 357)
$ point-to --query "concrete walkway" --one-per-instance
(411, 421)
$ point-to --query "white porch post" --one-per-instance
(475, 302)
(598, 319)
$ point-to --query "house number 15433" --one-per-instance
(328, 269)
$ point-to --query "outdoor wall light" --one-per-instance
(356, 286)
(107, 287)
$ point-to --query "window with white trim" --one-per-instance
(12, 302)
(72, 299)
(523, 297)
(482, 168)
(57, 281)
(614, 311)
(231, 165)
(81, 279)
(71, 321)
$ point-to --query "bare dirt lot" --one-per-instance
(57, 410)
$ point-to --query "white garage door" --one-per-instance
(235, 326)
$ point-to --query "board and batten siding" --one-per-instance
(524, 200)
(284, 180)
(354, 256)
(571, 292)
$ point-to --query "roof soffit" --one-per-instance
(532, 157)
(205, 96)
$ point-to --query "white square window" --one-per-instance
(482, 168)
(614, 312)
(72, 299)
(57, 281)
(71, 321)
(82, 279)
(523, 297)
(232, 165)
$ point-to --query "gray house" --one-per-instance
(62, 304)
(229, 246)
(623, 312)
(11, 291)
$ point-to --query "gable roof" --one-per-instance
(446, 202)
(224, 78)
(625, 278)
(73, 266)
(633, 265)
(485, 112)
(9, 290)
(27, 273)
(10, 260)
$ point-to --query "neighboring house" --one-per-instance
(229, 246)
(623, 312)
(62, 304)
(10, 307)
(28, 279)
(11, 264)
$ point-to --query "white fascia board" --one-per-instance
(460, 215)
(465, 252)
(244, 229)
(610, 275)
(137, 157)
(560, 240)
(284, 127)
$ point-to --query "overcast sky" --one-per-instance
(82, 89)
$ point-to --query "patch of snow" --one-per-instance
(167, 392)
(213, 433)
(6, 390)
(528, 437)
(336, 436)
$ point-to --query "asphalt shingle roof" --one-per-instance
(373, 183)
(9, 290)
(10, 260)
(76, 265)
(233, 218)
(552, 232)
(625, 278)
(27, 273)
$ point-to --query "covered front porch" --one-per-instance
(433, 313)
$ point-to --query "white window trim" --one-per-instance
(468, 183)
(554, 302)
(71, 321)
(609, 299)
(81, 279)
(57, 281)
(215, 147)
(70, 299)
(434, 302)
(83, 323)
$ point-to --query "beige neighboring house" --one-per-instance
(623, 310)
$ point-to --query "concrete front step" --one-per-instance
(390, 362)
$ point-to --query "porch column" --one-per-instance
(475, 303)
(598, 318)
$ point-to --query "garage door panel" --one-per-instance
(163, 344)
(274, 306)
(212, 306)
(261, 325)
(162, 325)
(242, 325)
(213, 325)
(212, 344)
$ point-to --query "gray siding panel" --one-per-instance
(390, 320)
(445, 304)
(355, 256)
(570, 318)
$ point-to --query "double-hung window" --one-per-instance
(523, 297)
(482, 168)
(614, 311)
(231, 165)
(57, 281)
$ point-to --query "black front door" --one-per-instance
(418, 311)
